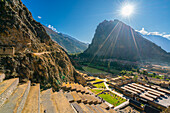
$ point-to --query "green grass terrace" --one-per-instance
(100, 85)
(93, 70)
(96, 81)
(112, 98)
(96, 91)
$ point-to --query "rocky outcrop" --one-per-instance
(37, 57)
(116, 40)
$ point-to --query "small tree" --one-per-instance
(108, 66)
(145, 72)
(63, 77)
(138, 70)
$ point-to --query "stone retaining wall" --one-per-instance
(7, 50)
(24, 98)
(2, 77)
(39, 100)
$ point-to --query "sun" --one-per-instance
(127, 10)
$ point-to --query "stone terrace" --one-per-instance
(25, 97)
(83, 100)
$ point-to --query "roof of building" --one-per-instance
(149, 109)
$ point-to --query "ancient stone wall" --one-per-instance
(2, 77)
(24, 98)
(7, 50)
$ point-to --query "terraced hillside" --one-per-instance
(25, 97)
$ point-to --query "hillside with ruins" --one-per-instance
(37, 57)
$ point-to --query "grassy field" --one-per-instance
(93, 70)
(114, 71)
(112, 98)
(96, 91)
(97, 80)
(101, 85)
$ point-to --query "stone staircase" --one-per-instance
(6, 89)
(84, 101)
(47, 103)
(18, 97)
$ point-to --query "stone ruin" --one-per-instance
(7, 50)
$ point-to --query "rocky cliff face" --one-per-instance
(114, 39)
(37, 57)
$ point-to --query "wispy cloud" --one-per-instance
(39, 17)
(53, 28)
(144, 32)
(167, 36)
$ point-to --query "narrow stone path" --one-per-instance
(41, 53)
(107, 87)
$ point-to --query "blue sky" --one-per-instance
(79, 18)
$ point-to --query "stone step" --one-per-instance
(91, 108)
(32, 104)
(61, 103)
(101, 109)
(46, 101)
(112, 111)
(77, 107)
(98, 109)
(69, 97)
(84, 107)
(6, 89)
(2, 76)
(104, 106)
(76, 97)
(83, 98)
(91, 99)
(16, 101)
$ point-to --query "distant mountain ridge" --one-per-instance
(116, 40)
(71, 44)
(164, 43)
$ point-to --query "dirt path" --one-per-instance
(41, 53)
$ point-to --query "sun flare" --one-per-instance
(127, 10)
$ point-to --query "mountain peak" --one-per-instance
(115, 39)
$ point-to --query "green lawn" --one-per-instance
(97, 80)
(112, 70)
(96, 91)
(112, 98)
(101, 85)
(93, 70)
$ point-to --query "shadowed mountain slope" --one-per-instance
(164, 43)
(114, 39)
(69, 43)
